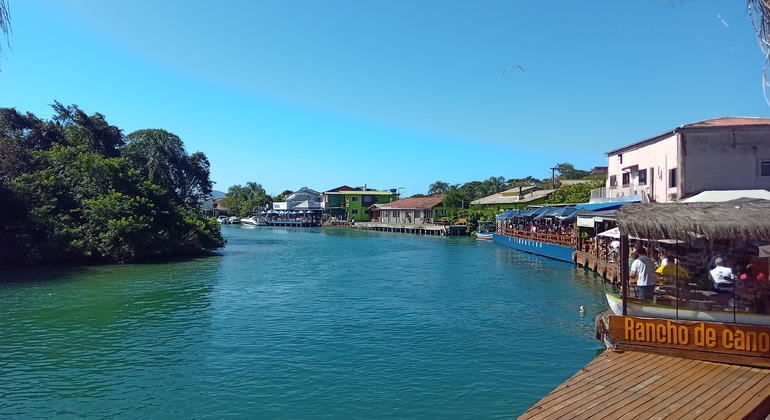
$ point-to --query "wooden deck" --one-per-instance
(634, 385)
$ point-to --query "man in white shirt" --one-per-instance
(643, 268)
(722, 277)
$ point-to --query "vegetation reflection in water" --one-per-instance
(299, 323)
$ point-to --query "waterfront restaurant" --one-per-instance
(692, 351)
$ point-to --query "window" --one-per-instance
(367, 199)
(764, 168)
(672, 178)
(626, 178)
(355, 211)
(620, 158)
(613, 181)
(643, 177)
(377, 199)
(354, 198)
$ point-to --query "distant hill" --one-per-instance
(217, 194)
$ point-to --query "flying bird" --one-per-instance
(513, 67)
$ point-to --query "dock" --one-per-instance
(640, 385)
(609, 271)
(417, 229)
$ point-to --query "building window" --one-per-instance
(764, 168)
(355, 211)
(643, 177)
(620, 158)
(613, 181)
(367, 199)
(626, 178)
(377, 199)
(672, 178)
(354, 198)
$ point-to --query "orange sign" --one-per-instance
(750, 340)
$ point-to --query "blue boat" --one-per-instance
(557, 252)
(547, 231)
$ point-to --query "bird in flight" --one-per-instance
(513, 67)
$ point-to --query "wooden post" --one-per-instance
(624, 271)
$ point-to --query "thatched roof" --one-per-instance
(729, 220)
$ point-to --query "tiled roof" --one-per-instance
(500, 198)
(729, 122)
(415, 202)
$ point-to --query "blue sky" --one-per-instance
(387, 93)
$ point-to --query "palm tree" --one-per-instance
(438, 187)
(5, 23)
(759, 12)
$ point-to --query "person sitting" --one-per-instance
(615, 250)
(721, 277)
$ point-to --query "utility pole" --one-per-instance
(553, 177)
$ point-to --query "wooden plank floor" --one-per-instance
(632, 385)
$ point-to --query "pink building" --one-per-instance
(728, 153)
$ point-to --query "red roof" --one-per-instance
(415, 203)
(342, 188)
(729, 122)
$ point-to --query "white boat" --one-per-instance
(233, 220)
(253, 221)
(485, 231)
(484, 236)
(703, 311)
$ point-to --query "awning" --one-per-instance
(600, 206)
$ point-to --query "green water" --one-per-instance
(298, 323)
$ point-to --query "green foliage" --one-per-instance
(75, 194)
(245, 200)
(568, 171)
(576, 193)
(438, 187)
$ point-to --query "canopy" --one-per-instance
(612, 233)
(716, 196)
(508, 214)
(601, 206)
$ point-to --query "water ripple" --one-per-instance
(297, 323)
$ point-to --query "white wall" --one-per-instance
(660, 155)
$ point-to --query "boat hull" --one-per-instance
(652, 310)
(484, 236)
(557, 252)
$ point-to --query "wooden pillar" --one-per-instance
(624, 270)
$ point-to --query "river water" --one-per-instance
(298, 323)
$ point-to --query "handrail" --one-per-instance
(547, 237)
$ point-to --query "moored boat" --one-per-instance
(485, 231)
(253, 221)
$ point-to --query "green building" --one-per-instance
(348, 203)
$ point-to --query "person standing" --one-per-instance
(643, 268)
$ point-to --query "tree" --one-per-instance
(70, 197)
(759, 13)
(5, 23)
(438, 187)
(497, 183)
(568, 171)
(245, 200)
(282, 196)
(162, 160)
(575, 193)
